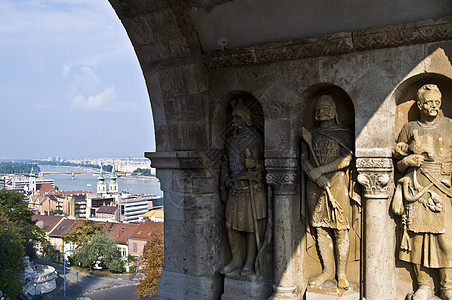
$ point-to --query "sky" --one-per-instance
(70, 83)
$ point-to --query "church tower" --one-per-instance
(32, 182)
(101, 185)
(113, 185)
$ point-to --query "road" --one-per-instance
(122, 292)
(93, 286)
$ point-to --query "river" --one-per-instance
(131, 185)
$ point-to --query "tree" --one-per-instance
(143, 172)
(11, 257)
(152, 263)
(18, 168)
(101, 250)
(83, 232)
(15, 209)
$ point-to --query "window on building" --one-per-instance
(135, 248)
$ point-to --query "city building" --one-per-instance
(156, 215)
(120, 233)
(131, 208)
(21, 184)
(113, 184)
(130, 238)
(106, 213)
(140, 236)
(101, 184)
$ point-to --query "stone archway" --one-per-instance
(185, 86)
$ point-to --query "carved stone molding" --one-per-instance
(375, 175)
(374, 163)
(403, 34)
(282, 174)
(426, 31)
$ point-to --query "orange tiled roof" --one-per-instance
(46, 223)
(144, 230)
(120, 232)
(45, 188)
(62, 228)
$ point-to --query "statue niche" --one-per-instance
(244, 191)
(329, 191)
(423, 195)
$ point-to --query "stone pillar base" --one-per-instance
(329, 291)
(177, 286)
(242, 289)
(410, 297)
(284, 293)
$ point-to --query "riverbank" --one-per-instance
(85, 179)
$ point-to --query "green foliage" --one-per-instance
(14, 206)
(152, 263)
(11, 257)
(15, 209)
(107, 168)
(18, 168)
(116, 266)
(131, 259)
(58, 211)
(100, 250)
(48, 251)
(83, 232)
(143, 172)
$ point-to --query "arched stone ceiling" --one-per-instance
(241, 23)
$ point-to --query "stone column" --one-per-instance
(375, 175)
(194, 234)
(281, 175)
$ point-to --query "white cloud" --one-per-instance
(84, 81)
(101, 101)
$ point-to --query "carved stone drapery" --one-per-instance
(281, 175)
(334, 44)
(375, 175)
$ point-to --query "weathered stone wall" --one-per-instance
(376, 69)
(373, 79)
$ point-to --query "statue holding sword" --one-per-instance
(325, 158)
(243, 190)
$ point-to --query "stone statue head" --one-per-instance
(240, 114)
(325, 109)
(429, 100)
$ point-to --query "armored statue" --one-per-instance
(243, 191)
(325, 158)
(423, 194)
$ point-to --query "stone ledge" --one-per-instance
(175, 160)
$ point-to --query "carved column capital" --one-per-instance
(375, 174)
(282, 174)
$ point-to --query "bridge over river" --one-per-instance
(75, 173)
